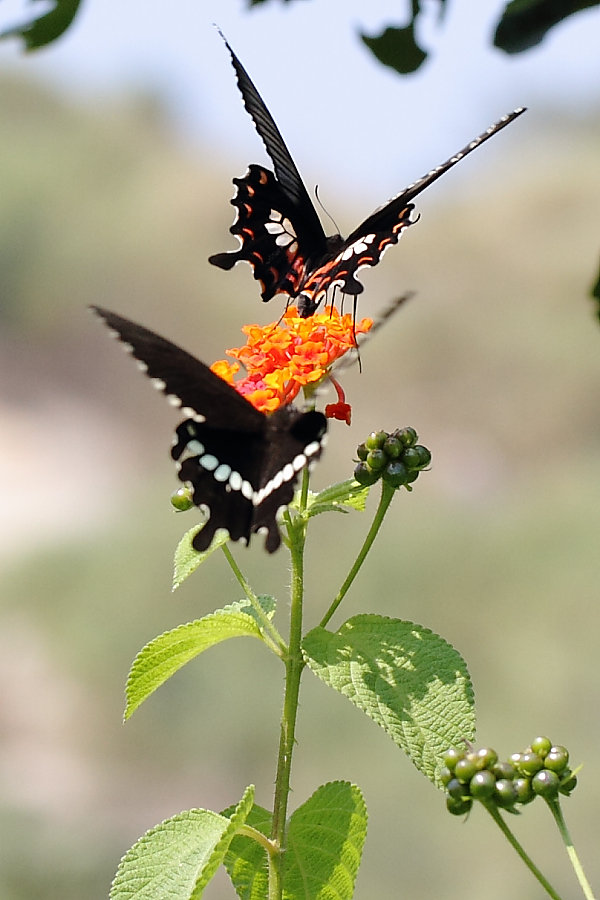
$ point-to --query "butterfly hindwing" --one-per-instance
(204, 455)
(242, 465)
(243, 486)
(265, 226)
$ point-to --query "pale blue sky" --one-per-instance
(349, 122)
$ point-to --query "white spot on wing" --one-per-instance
(235, 481)
(222, 472)
(313, 447)
(192, 414)
(299, 462)
(209, 462)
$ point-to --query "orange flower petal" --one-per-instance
(285, 356)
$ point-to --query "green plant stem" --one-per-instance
(294, 663)
(270, 633)
(495, 814)
(556, 810)
(387, 493)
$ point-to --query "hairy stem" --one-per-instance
(294, 664)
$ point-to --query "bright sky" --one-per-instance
(349, 122)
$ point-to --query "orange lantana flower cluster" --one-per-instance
(282, 358)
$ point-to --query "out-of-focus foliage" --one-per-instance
(397, 48)
(45, 29)
(523, 24)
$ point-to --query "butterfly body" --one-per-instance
(279, 229)
(242, 465)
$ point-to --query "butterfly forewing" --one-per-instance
(285, 169)
(241, 464)
(417, 187)
(367, 243)
(186, 381)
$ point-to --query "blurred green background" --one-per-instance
(496, 363)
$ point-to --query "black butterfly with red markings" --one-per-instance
(242, 465)
(280, 233)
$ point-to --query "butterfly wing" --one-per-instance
(251, 479)
(242, 465)
(277, 225)
(186, 381)
(266, 227)
(367, 243)
(224, 471)
(285, 168)
(296, 440)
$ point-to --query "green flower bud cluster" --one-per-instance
(395, 457)
(541, 770)
(181, 500)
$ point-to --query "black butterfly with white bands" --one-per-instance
(242, 465)
(279, 230)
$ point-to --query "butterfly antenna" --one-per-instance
(325, 210)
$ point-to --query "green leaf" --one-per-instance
(397, 48)
(187, 559)
(525, 23)
(325, 841)
(341, 497)
(238, 817)
(410, 681)
(167, 653)
(47, 28)
(176, 859)
(246, 860)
